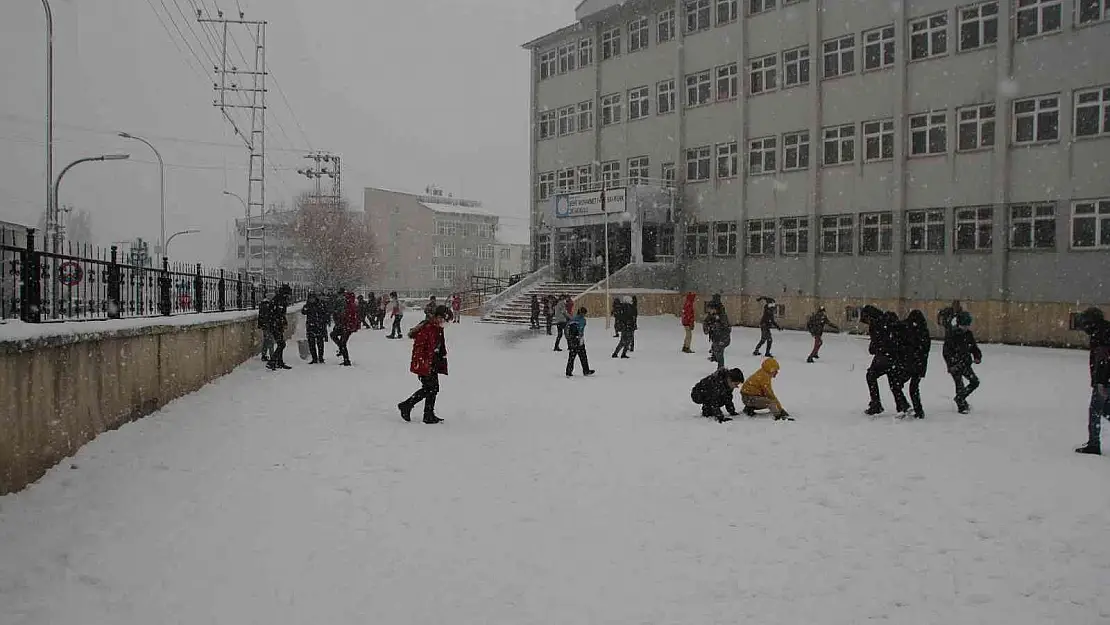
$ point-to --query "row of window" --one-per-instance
(448, 227)
(1032, 227)
(1035, 120)
(976, 25)
(447, 274)
(448, 250)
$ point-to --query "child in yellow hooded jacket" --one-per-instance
(757, 393)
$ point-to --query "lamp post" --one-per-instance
(608, 297)
(161, 185)
(89, 159)
(51, 216)
(165, 250)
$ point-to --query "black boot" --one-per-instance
(748, 410)
(431, 419)
(1095, 449)
(406, 411)
(873, 409)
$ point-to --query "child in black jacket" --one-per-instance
(715, 391)
(960, 351)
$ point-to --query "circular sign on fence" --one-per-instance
(70, 273)
(184, 301)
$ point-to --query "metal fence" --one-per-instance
(83, 283)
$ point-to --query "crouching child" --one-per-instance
(715, 392)
(757, 393)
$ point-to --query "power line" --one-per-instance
(188, 60)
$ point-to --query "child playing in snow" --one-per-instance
(715, 391)
(576, 343)
(757, 393)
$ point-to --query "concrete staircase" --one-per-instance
(518, 310)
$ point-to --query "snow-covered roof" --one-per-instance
(457, 209)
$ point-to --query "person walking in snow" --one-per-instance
(714, 392)
(265, 309)
(562, 317)
(548, 311)
(960, 352)
(429, 361)
(719, 330)
(276, 323)
(766, 322)
(1094, 323)
(364, 312)
(316, 326)
(616, 306)
(758, 394)
(456, 307)
(396, 312)
(382, 305)
(816, 325)
(915, 351)
(534, 313)
(635, 315)
(625, 326)
(883, 349)
(576, 343)
(346, 324)
(688, 322)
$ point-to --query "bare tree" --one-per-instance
(335, 241)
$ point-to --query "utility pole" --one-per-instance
(250, 82)
(325, 164)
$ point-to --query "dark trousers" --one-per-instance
(915, 396)
(548, 319)
(316, 347)
(959, 374)
(880, 366)
(817, 343)
(429, 390)
(717, 354)
(341, 336)
(365, 319)
(534, 321)
(624, 344)
(1100, 407)
(577, 351)
(395, 331)
(559, 337)
(765, 337)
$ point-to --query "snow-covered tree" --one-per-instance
(335, 241)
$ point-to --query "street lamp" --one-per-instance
(165, 251)
(90, 159)
(51, 217)
(161, 183)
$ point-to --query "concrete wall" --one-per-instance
(58, 393)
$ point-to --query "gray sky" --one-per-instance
(410, 93)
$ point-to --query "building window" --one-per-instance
(666, 102)
(504, 253)
(568, 58)
(1037, 119)
(1091, 11)
(565, 180)
(1092, 112)
(1033, 226)
(878, 140)
(840, 145)
(926, 230)
(611, 173)
(485, 231)
(728, 160)
(728, 86)
(876, 233)
(978, 26)
(568, 120)
(840, 56)
(697, 240)
(638, 34)
(795, 235)
(929, 36)
(795, 67)
(756, 7)
(444, 250)
(547, 125)
(698, 88)
(667, 173)
(585, 116)
(639, 169)
(976, 127)
(724, 238)
(585, 177)
(795, 150)
(639, 103)
(762, 75)
(697, 164)
(543, 242)
(698, 14)
(548, 63)
(666, 29)
(761, 237)
(974, 228)
(1038, 17)
(761, 155)
(878, 48)
(928, 134)
(444, 273)
(1090, 224)
(485, 252)
(610, 43)
(585, 52)
(836, 234)
(544, 186)
(611, 110)
(726, 11)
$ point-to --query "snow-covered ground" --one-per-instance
(300, 497)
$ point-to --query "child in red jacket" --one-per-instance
(688, 322)
(429, 361)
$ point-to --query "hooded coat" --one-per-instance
(429, 351)
(316, 316)
(1098, 329)
(688, 310)
(758, 384)
(713, 390)
(917, 342)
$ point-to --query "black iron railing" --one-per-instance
(84, 283)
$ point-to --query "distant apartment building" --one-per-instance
(512, 252)
(433, 243)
